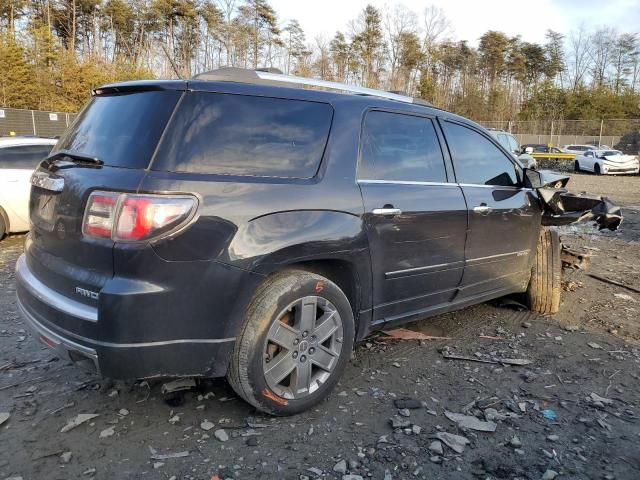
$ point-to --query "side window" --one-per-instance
(397, 147)
(513, 144)
(23, 157)
(225, 134)
(476, 159)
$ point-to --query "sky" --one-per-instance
(470, 19)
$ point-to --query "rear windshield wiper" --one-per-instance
(74, 157)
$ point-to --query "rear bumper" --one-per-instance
(44, 310)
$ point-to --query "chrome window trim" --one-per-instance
(51, 297)
(405, 182)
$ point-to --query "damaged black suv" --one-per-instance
(226, 225)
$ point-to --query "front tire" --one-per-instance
(3, 226)
(294, 345)
(576, 166)
(543, 293)
(596, 169)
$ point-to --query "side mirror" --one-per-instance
(528, 150)
(532, 178)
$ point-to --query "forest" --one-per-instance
(53, 52)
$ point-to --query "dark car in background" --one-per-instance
(227, 226)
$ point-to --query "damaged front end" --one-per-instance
(562, 207)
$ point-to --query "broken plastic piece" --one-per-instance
(405, 334)
(178, 385)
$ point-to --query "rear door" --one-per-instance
(504, 218)
(415, 218)
(122, 131)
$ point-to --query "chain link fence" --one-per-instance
(33, 122)
(622, 134)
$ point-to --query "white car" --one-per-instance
(19, 156)
(606, 162)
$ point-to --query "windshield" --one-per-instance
(121, 130)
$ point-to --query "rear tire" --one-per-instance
(543, 293)
(596, 169)
(276, 312)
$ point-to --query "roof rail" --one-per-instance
(274, 77)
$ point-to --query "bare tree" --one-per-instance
(397, 24)
(579, 56)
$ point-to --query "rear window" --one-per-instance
(245, 135)
(121, 130)
(23, 157)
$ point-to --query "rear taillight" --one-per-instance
(128, 217)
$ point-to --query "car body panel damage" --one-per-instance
(562, 207)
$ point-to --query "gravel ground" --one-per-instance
(572, 412)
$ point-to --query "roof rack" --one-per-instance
(270, 76)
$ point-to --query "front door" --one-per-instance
(416, 221)
(504, 218)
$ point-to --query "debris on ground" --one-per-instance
(405, 334)
(470, 422)
(178, 385)
(454, 442)
(78, 420)
(166, 456)
(4, 416)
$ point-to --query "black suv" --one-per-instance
(227, 226)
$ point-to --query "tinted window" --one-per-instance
(26, 157)
(245, 135)
(476, 159)
(401, 148)
(121, 130)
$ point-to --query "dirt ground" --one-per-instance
(571, 413)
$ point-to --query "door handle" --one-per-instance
(386, 211)
(482, 209)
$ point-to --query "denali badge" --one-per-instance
(87, 293)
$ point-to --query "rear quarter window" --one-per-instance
(225, 134)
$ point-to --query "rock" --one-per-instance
(340, 467)
(4, 416)
(454, 442)
(123, 412)
(404, 412)
(515, 442)
(207, 425)
(410, 403)
(157, 465)
(252, 442)
(66, 457)
(519, 451)
(600, 401)
(416, 429)
(77, 421)
(436, 447)
(571, 328)
(316, 471)
(526, 324)
(221, 435)
(549, 475)
(396, 364)
(398, 422)
(107, 432)
(175, 419)
(553, 438)
(470, 422)
(595, 346)
(353, 464)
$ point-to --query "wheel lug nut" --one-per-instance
(296, 341)
(303, 358)
(304, 334)
(312, 351)
(295, 354)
